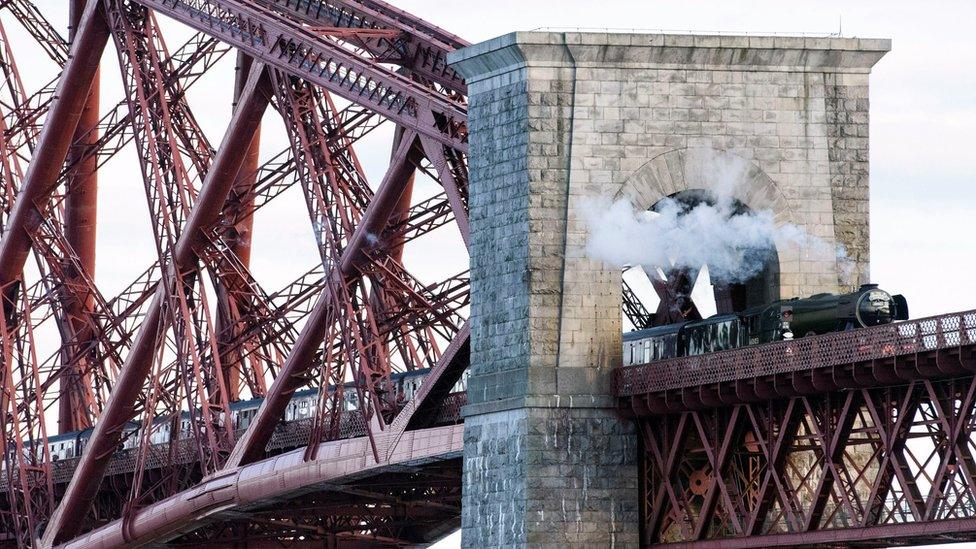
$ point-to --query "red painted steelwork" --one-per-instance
(163, 361)
(863, 467)
(226, 493)
(948, 531)
(423, 51)
(292, 375)
(221, 176)
(80, 208)
(826, 439)
(55, 140)
(40, 29)
(230, 309)
(293, 49)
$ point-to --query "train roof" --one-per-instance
(411, 373)
(313, 391)
(240, 404)
(62, 437)
(711, 320)
(653, 332)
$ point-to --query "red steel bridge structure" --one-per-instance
(861, 437)
(196, 331)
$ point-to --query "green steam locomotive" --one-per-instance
(780, 320)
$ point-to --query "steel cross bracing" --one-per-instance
(349, 73)
(855, 438)
(891, 353)
(837, 440)
(195, 331)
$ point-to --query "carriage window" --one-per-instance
(698, 341)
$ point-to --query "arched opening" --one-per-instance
(665, 294)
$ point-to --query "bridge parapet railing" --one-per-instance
(808, 353)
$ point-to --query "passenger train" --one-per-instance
(780, 320)
(785, 319)
(303, 405)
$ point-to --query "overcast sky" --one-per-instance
(923, 114)
(923, 111)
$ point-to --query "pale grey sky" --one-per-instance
(923, 112)
(923, 115)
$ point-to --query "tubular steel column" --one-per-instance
(66, 111)
(374, 317)
(80, 230)
(292, 375)
(402, 209)
(71, 512)
(241, 199)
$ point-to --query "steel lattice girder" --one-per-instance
(382, 34)
(865, 467)
(402, 508)
(296, 50)
(424, 54)
(220, 178)
(225, 495)
(56, 138)
(926, 348)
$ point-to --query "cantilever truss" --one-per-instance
(196, 331)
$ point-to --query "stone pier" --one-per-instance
(556, 119)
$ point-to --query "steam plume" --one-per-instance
(734, 245)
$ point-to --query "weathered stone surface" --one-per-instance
(556, 119)
(549, 477)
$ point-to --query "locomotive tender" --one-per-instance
(784, 319)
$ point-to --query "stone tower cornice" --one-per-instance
(518, 50)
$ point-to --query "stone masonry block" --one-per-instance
(557, 118)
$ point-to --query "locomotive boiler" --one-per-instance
(779, 320)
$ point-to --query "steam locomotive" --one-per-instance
(784, 319)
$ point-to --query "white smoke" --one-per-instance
(734, 242)
(846, 267)
(734, 245)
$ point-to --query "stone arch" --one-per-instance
(687, 169)
(717, 172)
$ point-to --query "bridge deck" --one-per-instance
(231, 494)
(927, 348)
